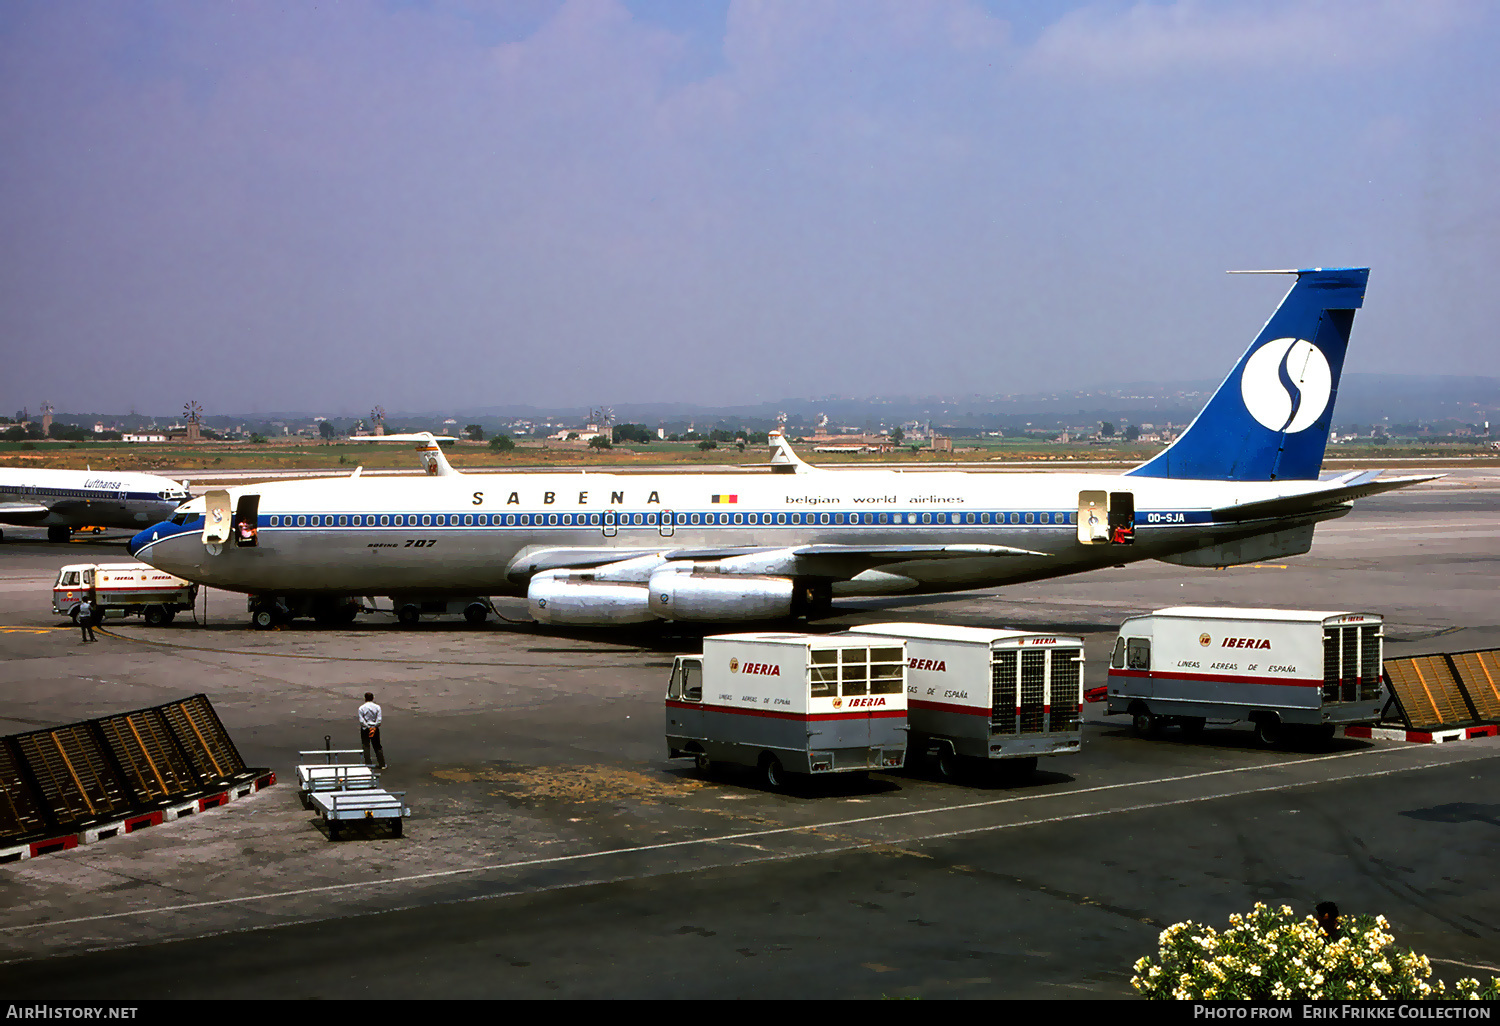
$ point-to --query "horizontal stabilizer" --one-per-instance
(1340, 490)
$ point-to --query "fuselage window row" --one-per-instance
(666, 519)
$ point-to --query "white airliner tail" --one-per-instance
(433, 459)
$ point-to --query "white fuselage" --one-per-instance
(81, 498)
(486, 534)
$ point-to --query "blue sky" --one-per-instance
(451, 204)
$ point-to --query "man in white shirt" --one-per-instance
(369, 732)
(86, 620)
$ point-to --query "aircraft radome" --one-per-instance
(1239, 485)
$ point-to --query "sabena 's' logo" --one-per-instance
(1286, 384)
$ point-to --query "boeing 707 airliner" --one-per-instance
(1239, 485)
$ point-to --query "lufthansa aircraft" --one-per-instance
(1239, 485)
(61, 500)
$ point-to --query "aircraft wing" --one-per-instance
(819, 560)
(21, 512)
(1340, 490)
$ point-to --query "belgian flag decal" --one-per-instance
(725, 499)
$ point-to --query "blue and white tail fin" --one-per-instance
(1269, 420)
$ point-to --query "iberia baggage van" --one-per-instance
(1278, 668)
(790, 703)
(976, 694)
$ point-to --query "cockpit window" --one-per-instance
(180, 519)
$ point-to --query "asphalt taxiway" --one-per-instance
(554, 851)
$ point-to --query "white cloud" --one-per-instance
(1189, 36)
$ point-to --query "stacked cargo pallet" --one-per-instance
(84, 782)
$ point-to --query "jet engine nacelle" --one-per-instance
(572, 599)
(675, 595)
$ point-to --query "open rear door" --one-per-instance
(1093, 518)
(246, 520)
(216, 516)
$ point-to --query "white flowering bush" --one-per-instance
(1272, 954)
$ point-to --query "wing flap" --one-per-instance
(819, 560)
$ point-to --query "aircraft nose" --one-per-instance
(141, 540)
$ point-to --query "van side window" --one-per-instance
(692, 682)
(1138, 653)
(1117, 658)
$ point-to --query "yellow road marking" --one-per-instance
(32, 630)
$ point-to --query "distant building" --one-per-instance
(942, 443)
(143, 438)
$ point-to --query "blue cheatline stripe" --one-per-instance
(1144, 519)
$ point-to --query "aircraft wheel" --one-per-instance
(263, 619)
(476, 613)
(408, 615)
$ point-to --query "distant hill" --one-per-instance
(1364, 399)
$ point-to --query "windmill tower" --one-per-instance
(192, 414)
(377, 420)
(47, 419)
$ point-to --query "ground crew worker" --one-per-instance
(86, 621)
(369, 732)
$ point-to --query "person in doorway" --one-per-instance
(369, 732)
(86, 621)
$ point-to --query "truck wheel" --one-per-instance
(476, 613)
(170, 614)
(1142, 722)
(775, 776)
(263, 619)
(408, 615)
(702, 763)
(950, 764)
(155, 616)
(1268, 730)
